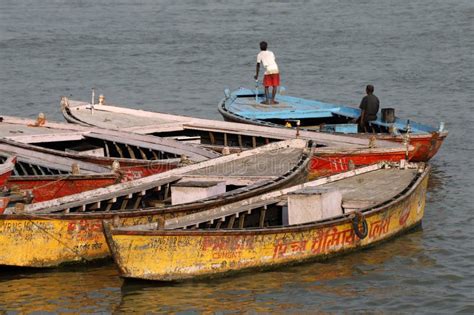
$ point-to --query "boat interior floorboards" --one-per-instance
(270, 164)
(374, 187)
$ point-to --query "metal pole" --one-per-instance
(256, 91)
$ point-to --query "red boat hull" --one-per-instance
(46, 187)
(425, 146)
(331, 163)
(4, 178)
(49, 187)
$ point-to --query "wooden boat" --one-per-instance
(6, 168)
(137, 155)
(38, 176)
(48, 187)
(244, 106)
(69, 229)
(312, 221)
(334, 153)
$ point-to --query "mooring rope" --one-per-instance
(53, 236)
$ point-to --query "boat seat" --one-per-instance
(352, 205)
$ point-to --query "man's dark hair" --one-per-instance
(263, 45)
(369, 89)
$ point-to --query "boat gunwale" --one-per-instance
(336, 141)
(75, 156)
(44, 159)
(66, 177)
(9, 164)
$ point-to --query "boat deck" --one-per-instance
(244, 103)
(358, 192)
(374, 187)
(273, 163)
(18, 131)
(250, 107)
(119, 120)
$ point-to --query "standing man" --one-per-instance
(271, 76)
(369, 107)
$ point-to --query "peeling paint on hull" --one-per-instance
(53, 239)
(178, 255)
(328, 164)
(49, 187)
(425, 146)
(49, 242)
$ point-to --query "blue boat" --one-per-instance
(245, 106)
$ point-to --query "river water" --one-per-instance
(178, 56)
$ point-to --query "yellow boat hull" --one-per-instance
(50, 240)
(182, 254)
(35, 241)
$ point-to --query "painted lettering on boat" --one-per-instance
(88, 246)
(131, 175)
(328, 240)
(227, 243)
(227, 247)
(332, 238)
(289, 248)
(21, 227)
(380, 227)
(331, 164)
(339, 164)
(85, 229)
(226, 255)
(324, 241)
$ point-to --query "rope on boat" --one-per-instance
(52, 236)
(53, 182)
(14, 190)
(359, 220)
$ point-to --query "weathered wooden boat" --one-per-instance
(137, 155)
(6, 168)
(40, 176)
(312, 221)
(334, 153)
(244, 106)
(69, 229)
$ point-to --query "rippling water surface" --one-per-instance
(178, 57)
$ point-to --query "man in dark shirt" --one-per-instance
(369, 107)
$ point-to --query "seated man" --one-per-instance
(369, 107)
